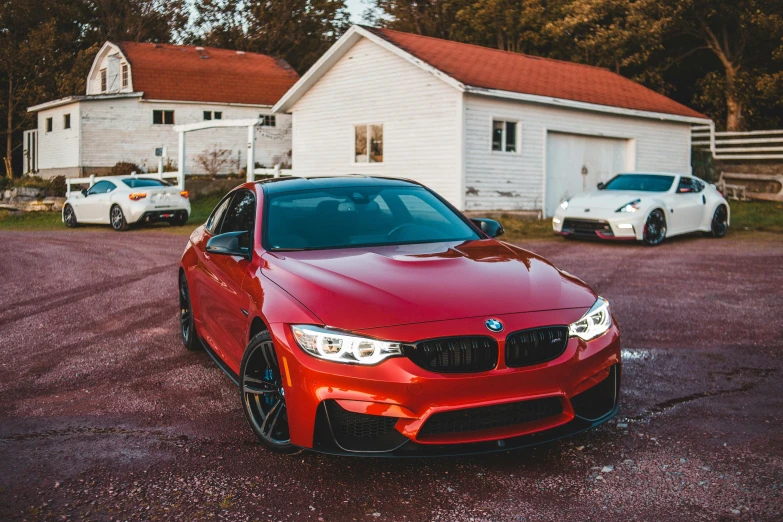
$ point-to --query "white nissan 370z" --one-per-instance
(646, 207)
(121, 201)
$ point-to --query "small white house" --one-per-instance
(487, 129)
(137, 92)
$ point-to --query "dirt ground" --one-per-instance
(105, 416)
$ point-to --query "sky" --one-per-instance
(356, 7)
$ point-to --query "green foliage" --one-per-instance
(124, 168)
(298, 31)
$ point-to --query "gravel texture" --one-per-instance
(105, 416)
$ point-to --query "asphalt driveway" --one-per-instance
(104, 415)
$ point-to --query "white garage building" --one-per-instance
(487, 129)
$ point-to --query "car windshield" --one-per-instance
(360, 216)
(144, 182)
(641, 182)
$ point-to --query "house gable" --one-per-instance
(110, 73)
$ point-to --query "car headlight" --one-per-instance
(342, 347)
(633, 206)
(595, 322)
(564, 204)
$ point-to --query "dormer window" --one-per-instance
(125, 75)
(104, 80)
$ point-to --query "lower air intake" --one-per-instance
(491, 417)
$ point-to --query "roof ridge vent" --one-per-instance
(199, 48)
(240, 53)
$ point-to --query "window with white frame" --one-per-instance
(125, 75)
(163, 117)
(267, 120)
(213, 115)
(104, 80)
(505, 136)
(368, 143)
(67, 121)
(49, 124)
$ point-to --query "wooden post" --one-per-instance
(181, 160)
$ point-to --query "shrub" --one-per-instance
(57, 186)
(123, 168)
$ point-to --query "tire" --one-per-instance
(720, 222)
(117, 219)
(654, 228)
(187, 325)
(262, 395)
(179, 220)
(69, 216)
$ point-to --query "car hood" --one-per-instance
(607, 199)
(369, 287)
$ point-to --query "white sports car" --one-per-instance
(646, 207)
(121, 201)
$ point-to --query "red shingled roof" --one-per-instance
(488, 68)
(206, 74)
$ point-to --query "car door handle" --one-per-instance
(703, 199)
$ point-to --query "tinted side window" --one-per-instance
(241, 213)
(214, 219)
(686, 185)
(102, 187)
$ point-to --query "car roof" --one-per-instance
(651, 174)
(295, 184)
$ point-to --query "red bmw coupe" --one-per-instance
(367, 316)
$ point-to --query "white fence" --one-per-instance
(750, 145)
(90, 181)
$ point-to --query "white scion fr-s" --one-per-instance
(121, 201)
(646, 207)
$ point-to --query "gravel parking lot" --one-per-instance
(105, 416)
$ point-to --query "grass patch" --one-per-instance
(200, 210)
(746, 216)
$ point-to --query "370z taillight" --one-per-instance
(137, 196)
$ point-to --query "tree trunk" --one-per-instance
(9, 129)
(733, 103)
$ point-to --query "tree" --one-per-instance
(214, 160)
(298, 31)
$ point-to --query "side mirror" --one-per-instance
(84, 192)
(230, 244)
(601, 185)
(489, 226)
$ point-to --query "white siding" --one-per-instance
(508, 181)
(61, 145)
(419, 113)
(122, 130)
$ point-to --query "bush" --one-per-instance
(57, 186)
(123, 168)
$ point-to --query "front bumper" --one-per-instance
(383, 410)
(619, 226)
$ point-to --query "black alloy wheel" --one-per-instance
(654, 228)
(69, 216)
(263, 396)
(186, 322)
(118, 222)
(720, 222)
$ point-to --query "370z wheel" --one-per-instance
(118, 222)
(186, 323)
(69, 216)
(654, 228)
(262, 394)
(720, 222)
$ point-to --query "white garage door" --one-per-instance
(576, 163)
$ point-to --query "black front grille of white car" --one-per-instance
(586, 227)
(454, 354)
(535, 346)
